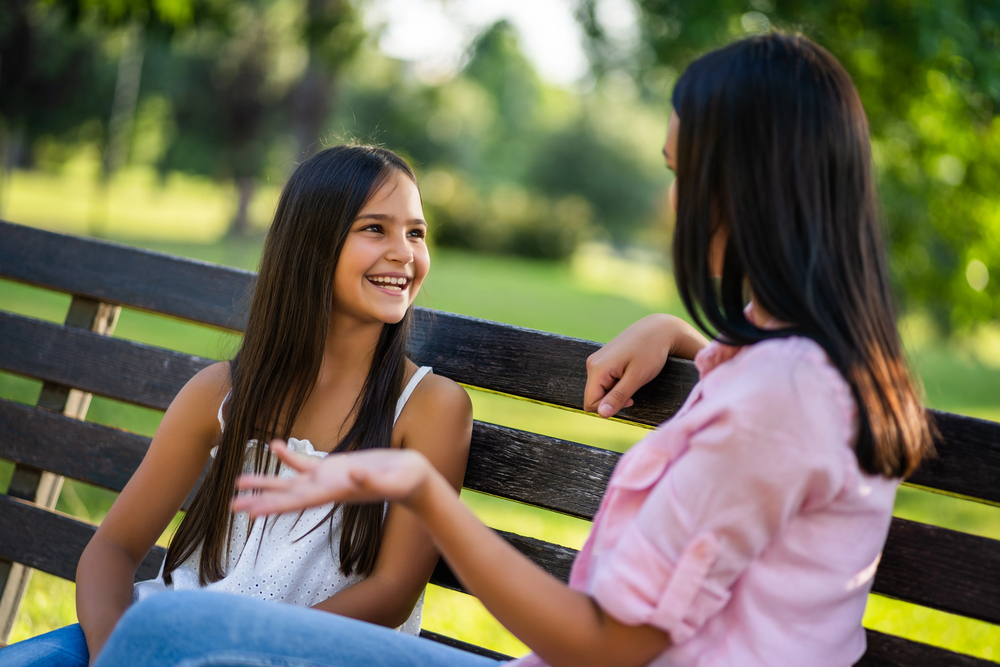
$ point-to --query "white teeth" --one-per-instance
(388, 282)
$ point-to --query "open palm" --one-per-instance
(371, 475)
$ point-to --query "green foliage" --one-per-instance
(52, 77)
(579, 161)
(509, 165)
(929, 76)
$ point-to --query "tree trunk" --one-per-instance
(310, 106)
(246, 186)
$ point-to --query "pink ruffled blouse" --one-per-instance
(743, 527)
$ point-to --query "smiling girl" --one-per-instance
(323, 366)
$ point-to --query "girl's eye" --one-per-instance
(417, 233)
(371, 228)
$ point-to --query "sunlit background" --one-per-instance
(535, 128)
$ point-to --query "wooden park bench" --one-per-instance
(922, 564)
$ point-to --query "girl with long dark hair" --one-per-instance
(745, 530)
(323, 366)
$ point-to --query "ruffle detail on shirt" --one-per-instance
(638, 585)
(643, 465)
(294, 444)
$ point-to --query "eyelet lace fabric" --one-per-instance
(286, 558)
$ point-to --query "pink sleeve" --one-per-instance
(767, 445)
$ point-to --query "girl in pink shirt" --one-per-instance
(746, 530)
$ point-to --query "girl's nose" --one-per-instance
(399, 250)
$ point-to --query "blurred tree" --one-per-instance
(234, 95)
(332, 34)
(578, 161)
(52, 78)
(929, 76)
(130, 20)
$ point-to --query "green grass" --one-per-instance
(595, 296)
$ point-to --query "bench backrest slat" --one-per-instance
(112, 367)
(968, 459)
(133, 277)
(532, 364)
(526, 467)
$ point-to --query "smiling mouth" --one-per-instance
(390, 283)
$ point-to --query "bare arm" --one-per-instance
(633, 358)
(565, 627)
(153, 496)
(437, 422)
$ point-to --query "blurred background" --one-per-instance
(535, 128)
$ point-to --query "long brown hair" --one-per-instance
(775, 147)
(277, 364)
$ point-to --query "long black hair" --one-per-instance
(278, 362)
(774, 150)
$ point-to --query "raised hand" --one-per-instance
(633, 358)
(380, 474)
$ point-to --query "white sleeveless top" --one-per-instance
(282, 563)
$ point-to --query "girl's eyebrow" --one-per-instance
(388, 218)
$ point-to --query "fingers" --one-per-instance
(298, 462)
(620, 395)
(263, 482)
(272, 503)
(600, 378)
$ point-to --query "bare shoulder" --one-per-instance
(439, 410)
(210, 383)
(438, 397)
(198, 401)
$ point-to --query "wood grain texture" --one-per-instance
(119, 369)
(538, 470)
(553, 558)
(968, 458)
(95, 454)
(940, 568)
(533, 364)
(889, 651)
(52, 542)
(525, 467)
(120, 274)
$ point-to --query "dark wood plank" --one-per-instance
(533, 364)
(538, 470)
(95, 454)
(545, 472)
(465, 646)
(553, 558)
(968, 460)
(52, 542)
(940, 568)
(120, 274)
(889, 651)
(111, 367)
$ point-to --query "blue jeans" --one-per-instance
(65, 647)
(195, 628)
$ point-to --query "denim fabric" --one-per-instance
(65, 647)
(196, 628)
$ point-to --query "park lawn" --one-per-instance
(592, 297)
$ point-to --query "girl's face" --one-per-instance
(717, 246)
(384, 259)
